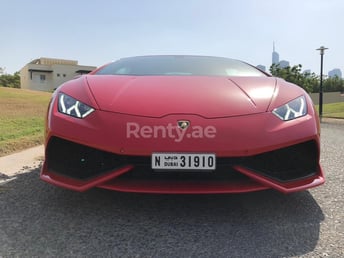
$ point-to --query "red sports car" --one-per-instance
(181, 124)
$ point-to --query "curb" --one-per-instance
(21, 162)
(331, 120)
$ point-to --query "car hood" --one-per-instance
(157, 96)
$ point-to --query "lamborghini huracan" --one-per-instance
(181, 124)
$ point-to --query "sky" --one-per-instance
(98, 32)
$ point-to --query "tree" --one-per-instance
(333, 84)
(294, 75)
(11, 81)
(311, 82)
(308, 81)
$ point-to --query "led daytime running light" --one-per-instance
(72, 107)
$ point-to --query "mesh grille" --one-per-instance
(83, 162)
(294, 162)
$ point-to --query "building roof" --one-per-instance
(52, 61)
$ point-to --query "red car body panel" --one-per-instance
(239, 108)
(181, 95)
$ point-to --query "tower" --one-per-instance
(275, 55)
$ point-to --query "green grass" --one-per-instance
(334, 110)
(22, 114)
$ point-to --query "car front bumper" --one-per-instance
(254, 152)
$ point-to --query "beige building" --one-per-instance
(46, 74)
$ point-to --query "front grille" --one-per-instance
(82, 162)
(79, 161)
(294, 162)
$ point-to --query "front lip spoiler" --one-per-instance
(289, 187)
(109, 181)
(78, 185)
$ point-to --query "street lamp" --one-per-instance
(322, 52)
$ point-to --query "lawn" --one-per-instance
(22, 114)
(334, 110)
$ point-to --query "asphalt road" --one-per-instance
(37, 219)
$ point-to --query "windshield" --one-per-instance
(179, 65)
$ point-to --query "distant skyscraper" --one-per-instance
(261, 67)
(283, 64)
(307, 72)
(335, 72)
(275, 55)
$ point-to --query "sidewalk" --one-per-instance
(21, 162)
(330, 120)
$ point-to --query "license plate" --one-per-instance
(183, 161)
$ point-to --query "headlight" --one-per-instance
(293, 109)
(72, 107)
